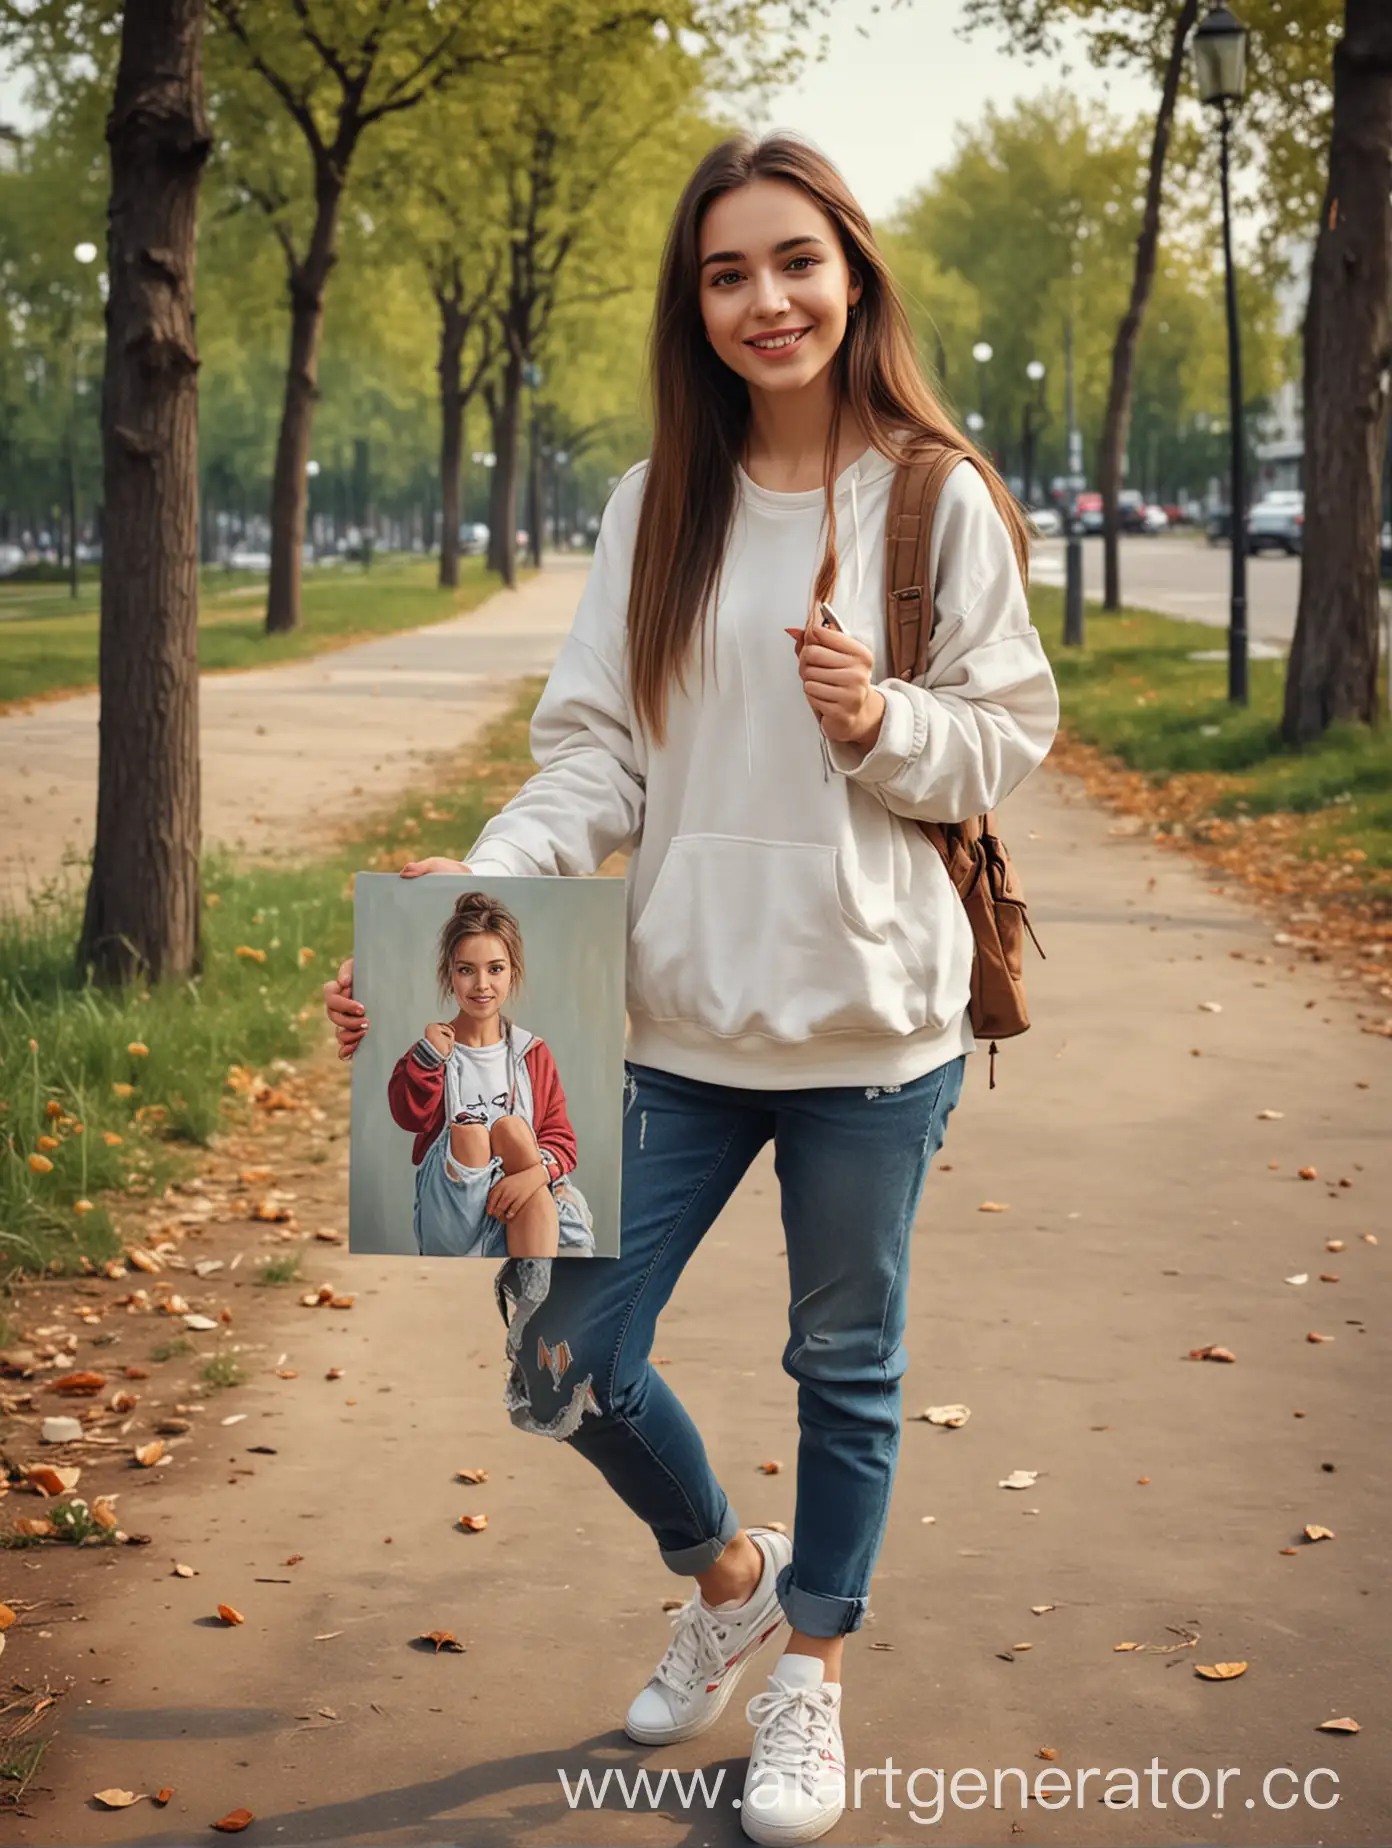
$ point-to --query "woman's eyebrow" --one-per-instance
(737, 256)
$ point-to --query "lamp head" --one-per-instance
(1220, 57)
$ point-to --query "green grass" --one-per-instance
(223, 1370)
(171, 1350)
(52, 648)
(282, 1269)
(66, 1044)
(1134, 694)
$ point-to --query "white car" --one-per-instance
(11, 558)
(1278, 520)
(1156, 519)
(1046, 521)
(249, 558)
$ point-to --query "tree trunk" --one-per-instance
(1117, 422)
(505, 408)
(290, 482)
(453, 326)
(1332, 673)
(141, 919)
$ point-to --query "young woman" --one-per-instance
(798, 961)
(494, 1150)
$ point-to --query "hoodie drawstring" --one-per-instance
(859, 591)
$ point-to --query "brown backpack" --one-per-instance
(973, 853)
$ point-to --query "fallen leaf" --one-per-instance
(342, 1302)
(1046, 1751)
(473, 1523)
(1333, 1244)
(1345, 1725)
(443, 1639)
(181, 1571)
(229, 1614)
(1212, 1353)
(471, 1475)
(1270, 1116)
(1329, 1276)
(1313, 1532)
(1040, 1609)
(1314, 1337)
(954, 1416)
(116, 1799)
(32, 1527)
(7, 1617)
(199, 1323)
(1300, 1277)
(673, 1604)
(104, 1512)
(1210, 1007)
(235, 1820)
(294, 1559)
(1221, 1671)
(334, 1373)
(162, 1796)
(1308, 1174)
(771, 1468)
(992, 1206)
(1019, 1479)
(1368, 1238)
(74, 1384)
(147, 1455)
(51, 1481)
(1119, 1646)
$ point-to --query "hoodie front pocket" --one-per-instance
(742, 936)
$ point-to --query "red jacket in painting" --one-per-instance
(416, 1095)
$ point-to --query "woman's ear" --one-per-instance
(856, 290)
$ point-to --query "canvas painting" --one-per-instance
(487, 1099)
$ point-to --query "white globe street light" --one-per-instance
(85, 253)
(982, 351)
(975, 422)
(1035, 370)
(311, 469)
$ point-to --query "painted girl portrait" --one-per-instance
(494, 1151)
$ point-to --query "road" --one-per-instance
(1183, 575)
(1152, 1206)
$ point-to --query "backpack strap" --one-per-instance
(913, 501)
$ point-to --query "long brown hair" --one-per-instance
(701, 414)
(475, 914)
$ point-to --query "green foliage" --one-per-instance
(1035, 218)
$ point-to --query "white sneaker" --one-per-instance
(693, 1682)
(795, 1788)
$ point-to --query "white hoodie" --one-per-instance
(788, 926)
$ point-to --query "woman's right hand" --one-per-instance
(441, 1038)
(347, 1016)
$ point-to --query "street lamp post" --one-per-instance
(1034, 372)
(532, 377)
(1073, 634)
(1220, 61)
(982, 353)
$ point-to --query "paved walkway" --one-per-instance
(1151, 1208)
(283, 747)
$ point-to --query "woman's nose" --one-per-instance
(770, 297)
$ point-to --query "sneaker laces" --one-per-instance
(695, 1650)
(793, 1727)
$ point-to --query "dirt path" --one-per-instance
(1151, 1208)
(283, 747)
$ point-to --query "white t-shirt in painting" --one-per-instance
(483, 1080)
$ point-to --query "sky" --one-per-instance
(886, 107)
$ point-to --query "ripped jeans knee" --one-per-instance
(523, 1284)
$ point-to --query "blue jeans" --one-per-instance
(851, 1162)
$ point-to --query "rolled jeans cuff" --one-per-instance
(815, 1614)
(689, 1560)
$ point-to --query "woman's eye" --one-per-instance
(724, 276)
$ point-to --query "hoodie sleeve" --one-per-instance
(956, 742)
(586, 799)
(550, 1118)
(416, 1093)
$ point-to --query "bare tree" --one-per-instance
(142, 912)
(1332, 672)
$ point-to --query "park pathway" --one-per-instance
(1144, 1147)
(284, 748)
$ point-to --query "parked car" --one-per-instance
(1046, 521)
(1088, 511)
(1131, 508)
(249, 558)
(1277, 520)
(473, 538)
(11, 559)
(1218, 526)
(1156, 520)
(1174, 514)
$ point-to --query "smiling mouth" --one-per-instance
(774, 343)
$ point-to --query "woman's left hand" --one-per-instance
(835, 669)
(514, 1191)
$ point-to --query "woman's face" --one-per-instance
(482, 975)
(775, 287)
